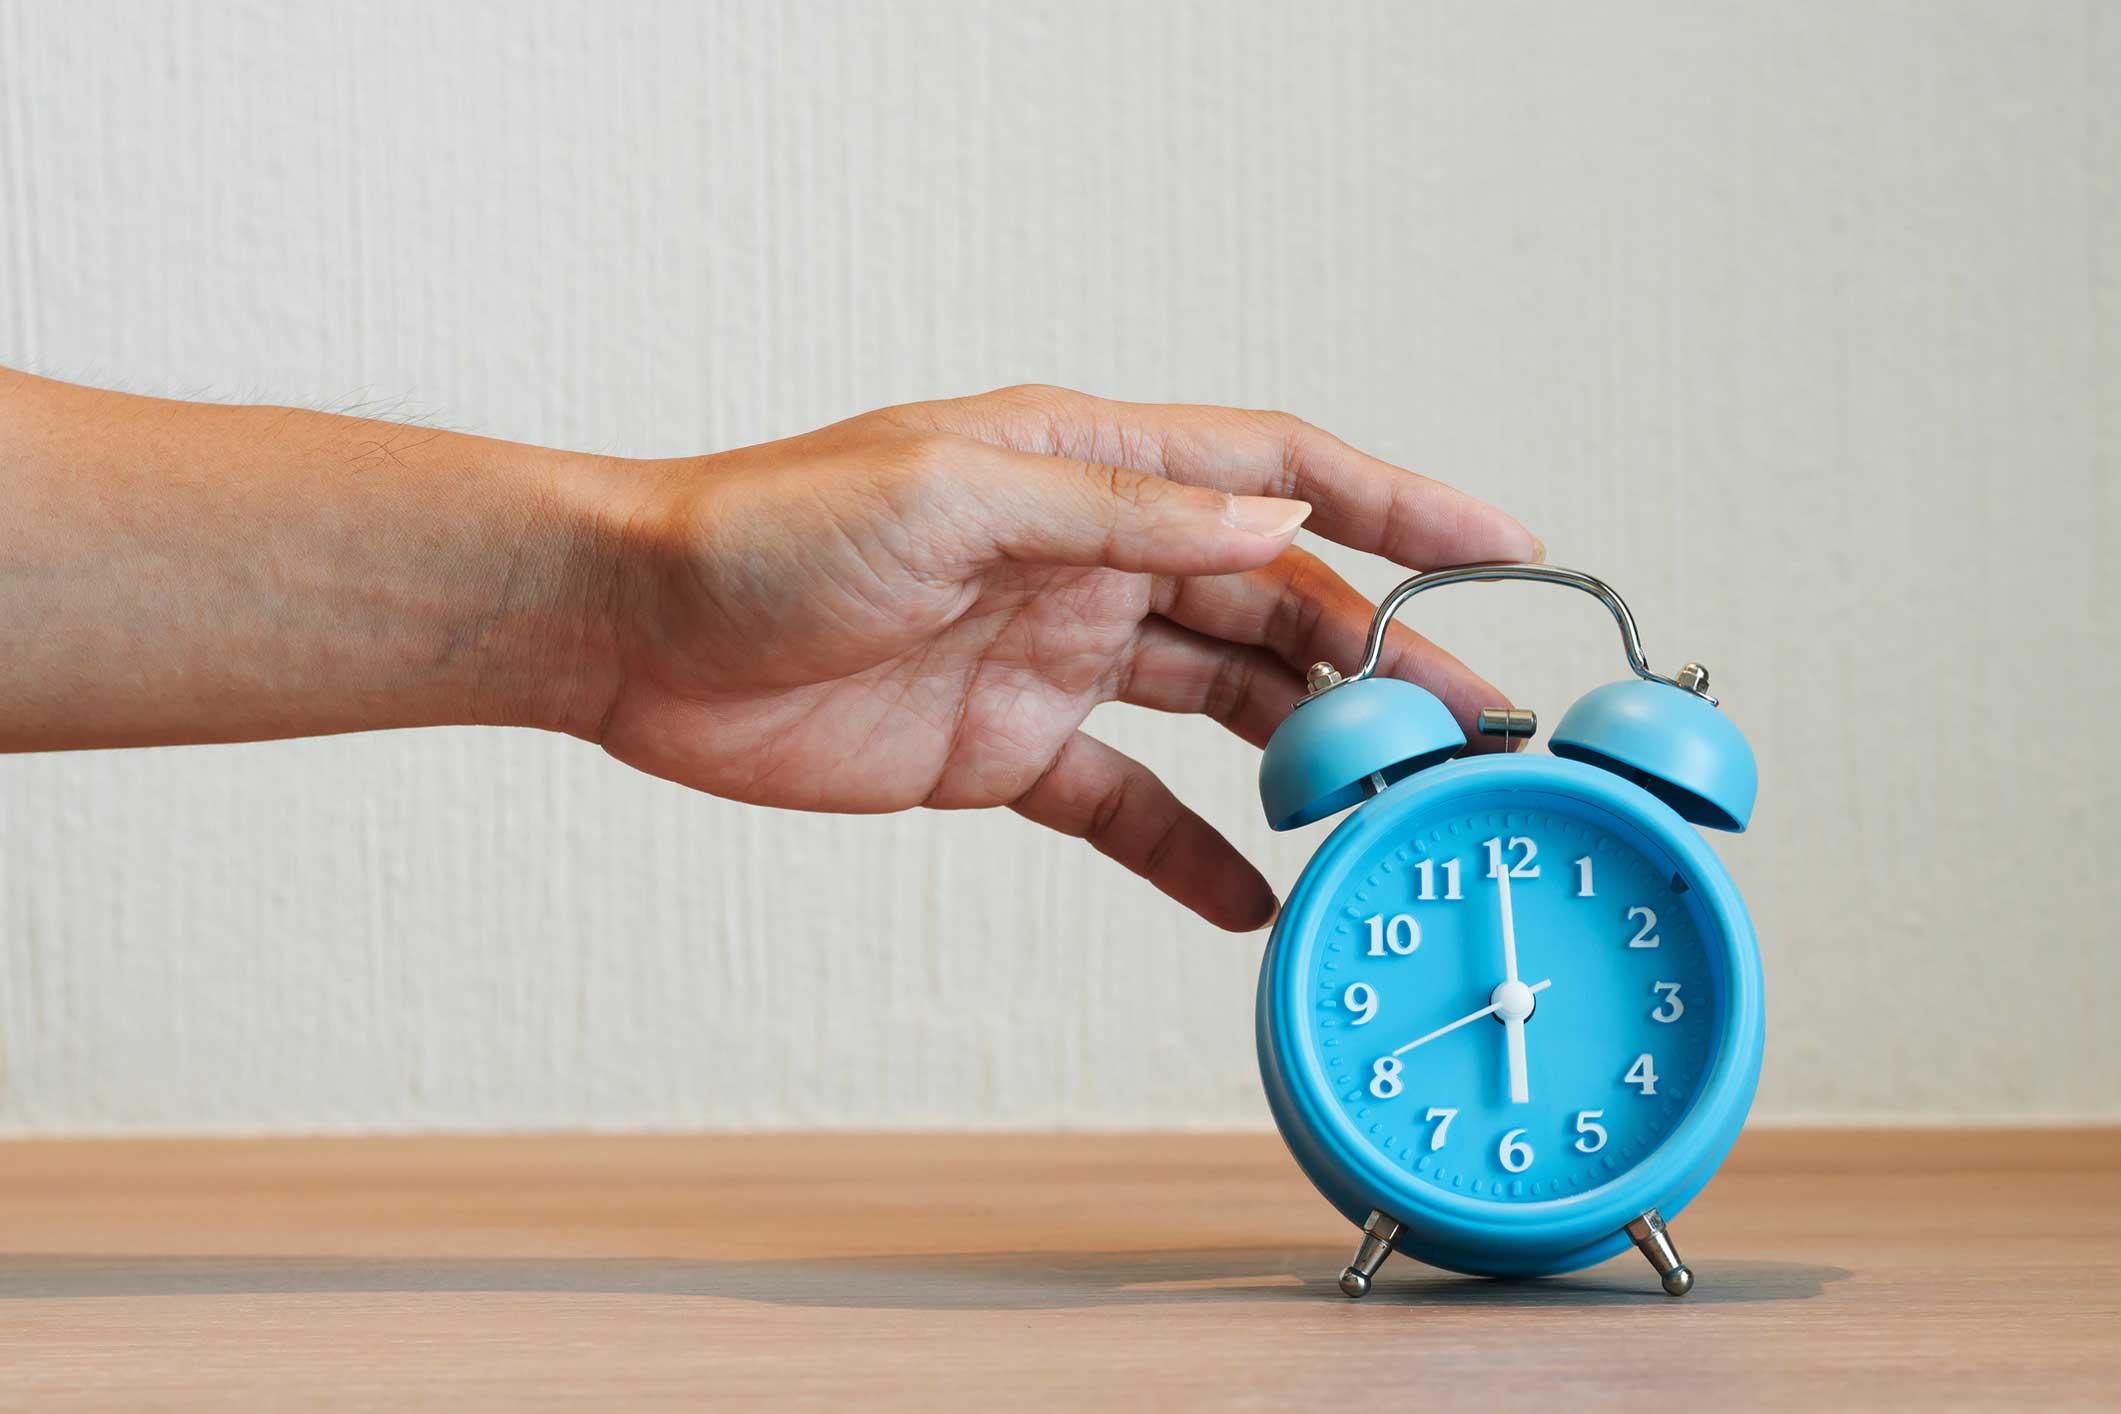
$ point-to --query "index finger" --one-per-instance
(1358, 500)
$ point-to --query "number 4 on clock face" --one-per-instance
(1642, 1074)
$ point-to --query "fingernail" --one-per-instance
(1539, 551)
(1264, 515)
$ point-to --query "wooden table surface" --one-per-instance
(1837, 1269)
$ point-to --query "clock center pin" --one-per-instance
(1513, 1001)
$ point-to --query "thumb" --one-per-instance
(1055, 510)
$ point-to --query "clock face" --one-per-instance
(1512, 996)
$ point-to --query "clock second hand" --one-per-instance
(1449, 1027)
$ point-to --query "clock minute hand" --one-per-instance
(1509, 926)
(1448, 1027)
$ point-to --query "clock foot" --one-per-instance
(1654, 1241)
(1378, 1235)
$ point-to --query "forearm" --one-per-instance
(185, 572)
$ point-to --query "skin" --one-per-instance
(915, 607)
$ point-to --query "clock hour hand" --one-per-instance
(1471, 1016)
(1513, 1000)
(1513, 1037)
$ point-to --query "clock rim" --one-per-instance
(1477, 1235)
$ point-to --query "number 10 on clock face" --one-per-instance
(1514, 1005)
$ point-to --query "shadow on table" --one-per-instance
(1013, 1281)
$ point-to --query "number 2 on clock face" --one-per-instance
(1596, 965)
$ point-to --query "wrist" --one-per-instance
(552, 631)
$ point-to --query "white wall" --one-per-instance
(1801, 322)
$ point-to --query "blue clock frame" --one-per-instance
(1645, 761)
(1468, 1234)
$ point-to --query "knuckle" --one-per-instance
(1294, 619)
(912, 473)
(1291, 435)
(1169, 832)
(1108, 811)
(1406, 520)
(1230, 688)
(1044, 395)
(924, 458)
(1126, 669)
(1131, 489)
(1275, 420)
(1286, 429)
(898, 417)
(1038, 416)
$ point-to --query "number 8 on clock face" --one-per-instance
(1510, 1017)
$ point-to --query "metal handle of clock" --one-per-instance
(1597, 588)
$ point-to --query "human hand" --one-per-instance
(919, 606)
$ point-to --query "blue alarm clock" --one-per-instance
(1510, 1018)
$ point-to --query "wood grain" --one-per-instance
(1837, 1269)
